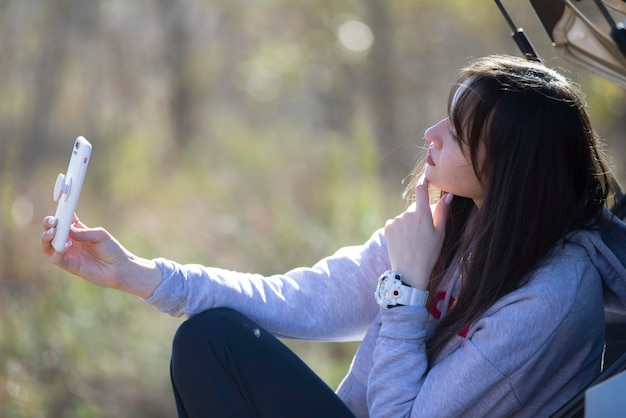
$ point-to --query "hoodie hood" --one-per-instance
(607, 249)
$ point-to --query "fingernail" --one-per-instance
(448, 198)
(50, 231)
(68, 244)
(51, 221)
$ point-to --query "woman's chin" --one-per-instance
(428, 175)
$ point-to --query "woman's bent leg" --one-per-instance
(225, 365)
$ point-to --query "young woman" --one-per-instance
(489, 303)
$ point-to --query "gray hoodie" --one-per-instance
(527, 355)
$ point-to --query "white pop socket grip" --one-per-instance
(62, 188)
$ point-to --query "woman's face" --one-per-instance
(447, 168)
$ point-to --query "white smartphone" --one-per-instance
(67, 190)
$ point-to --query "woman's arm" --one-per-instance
(332, 300)
(531, 352)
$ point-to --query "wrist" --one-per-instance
(419, 282)
(140, 277)
(391, 290)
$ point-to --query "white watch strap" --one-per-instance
(412, 296)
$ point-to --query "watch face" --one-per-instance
(382, 291)
(390, 291)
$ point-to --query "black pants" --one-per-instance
(225, 365)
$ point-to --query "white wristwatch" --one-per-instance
(391, 291)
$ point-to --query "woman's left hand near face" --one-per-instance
(414, 238)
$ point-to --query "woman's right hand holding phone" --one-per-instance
(96, 256)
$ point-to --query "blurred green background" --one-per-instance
(252, 135)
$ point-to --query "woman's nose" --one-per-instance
(433, 134)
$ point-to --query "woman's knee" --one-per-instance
(213, 326)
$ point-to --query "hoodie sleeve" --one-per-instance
(528, 354)
(331, 301)
(609, 252)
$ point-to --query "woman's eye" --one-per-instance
(453, 135)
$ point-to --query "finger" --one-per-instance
(422, 198)
(77, 222)
(46, 239)
(58, 257)
(88, 234)
(440, 214)
(49, 222)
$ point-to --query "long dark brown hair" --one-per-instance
(544, 175)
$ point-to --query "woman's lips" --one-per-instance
(429, 159)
